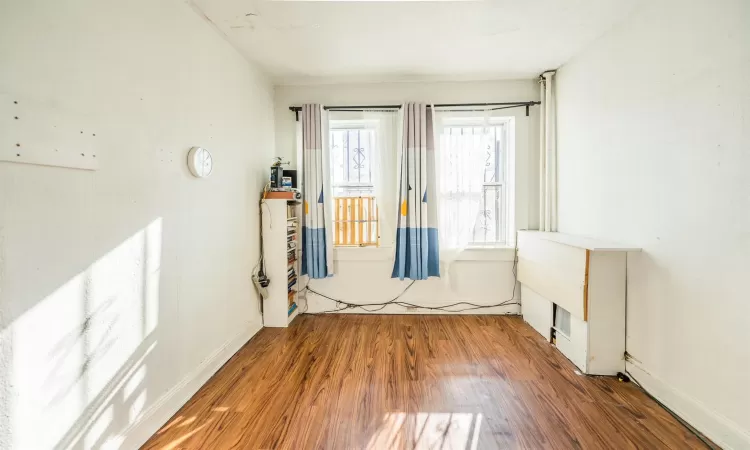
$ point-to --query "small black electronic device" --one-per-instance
(292, 173)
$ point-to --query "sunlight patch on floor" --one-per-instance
(428, 431)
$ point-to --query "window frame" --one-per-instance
(352, 124)
(357, 124)
(506, 216)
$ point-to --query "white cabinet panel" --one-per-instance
(589, 282)
(553, 270)
(537, 311)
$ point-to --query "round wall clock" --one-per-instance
(200, 162)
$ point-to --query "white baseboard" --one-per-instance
(713, 425)
(166, 406)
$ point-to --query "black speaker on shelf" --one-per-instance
(277, 173)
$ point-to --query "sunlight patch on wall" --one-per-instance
(79, 355)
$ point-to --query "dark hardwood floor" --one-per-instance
(442, 382)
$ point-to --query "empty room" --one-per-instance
(374, 224)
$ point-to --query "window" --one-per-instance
(475, 173)
(353, 174)
(475, 199)
(352, 148)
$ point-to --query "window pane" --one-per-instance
(499, 152)
(460, 184)
(471, 177)
(359, 143)
(355, 211)
(488, 227)
(337, 156)
(352, 152)
(490, 156)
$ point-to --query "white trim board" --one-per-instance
(722, 431)
(165, 407)
(580, 241)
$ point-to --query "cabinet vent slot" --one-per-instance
(562, 320)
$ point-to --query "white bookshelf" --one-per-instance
(281, 226)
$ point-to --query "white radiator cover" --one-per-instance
(586, 278)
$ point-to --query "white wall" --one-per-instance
(122, 290)
(363, 275)
(654, 150)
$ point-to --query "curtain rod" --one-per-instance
(504, 105)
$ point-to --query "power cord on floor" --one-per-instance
(395, 301)
(301, 291)
(672, 413)
(355, 305)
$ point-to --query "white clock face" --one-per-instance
(200, 162)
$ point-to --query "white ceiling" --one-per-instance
(321, 41)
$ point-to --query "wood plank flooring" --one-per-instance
(392, 382)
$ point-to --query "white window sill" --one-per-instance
(386, 253)
(483, 254)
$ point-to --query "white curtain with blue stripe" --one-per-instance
(417, 249)
(317, 236)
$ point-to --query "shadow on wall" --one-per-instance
(75, 367)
